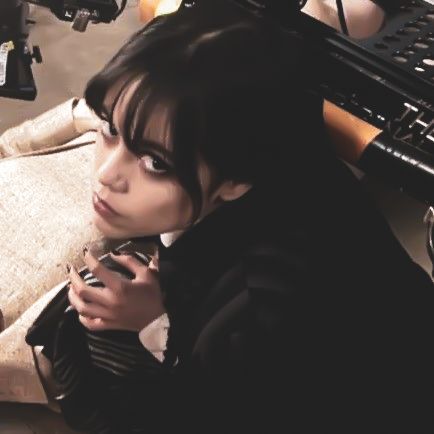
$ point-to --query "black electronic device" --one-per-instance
(16, 79)
(16, 57)
(388, 80)
(81, 12)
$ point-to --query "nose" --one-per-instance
(112, 173)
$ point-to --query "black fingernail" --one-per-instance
(68, 268)
(85, 250)
(115, 252)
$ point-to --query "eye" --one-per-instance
(108, 130)
(153, 164)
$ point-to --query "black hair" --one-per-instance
(234, 99)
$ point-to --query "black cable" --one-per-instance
(341, 15)
(121, 9)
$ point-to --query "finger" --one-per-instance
(109, 278)
(75, 279)
(86, 309)
(132, 261)
(154, 264)
(99, 324)
(88, 293)
(90, 323)
(92, 294)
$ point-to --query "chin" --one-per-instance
(107, 230)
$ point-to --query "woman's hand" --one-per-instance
(122, 304)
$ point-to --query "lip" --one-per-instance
(103, 208)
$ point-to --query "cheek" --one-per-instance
(162, 203)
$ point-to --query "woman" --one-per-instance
(290, 304)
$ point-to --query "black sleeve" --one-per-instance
(246, 359)
(283, 356)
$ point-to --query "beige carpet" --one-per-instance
(45, 216)
(45, 219)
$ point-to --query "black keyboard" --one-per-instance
(386, 79)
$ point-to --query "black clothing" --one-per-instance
(322, 324)
(392, 5)
(307, 320)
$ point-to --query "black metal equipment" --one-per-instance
(81, 12)
(387, 80)
(16, 78)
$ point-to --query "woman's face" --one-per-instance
(146, 199)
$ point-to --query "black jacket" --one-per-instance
(320, 325)
(312, 319)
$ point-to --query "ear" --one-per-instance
(231, 190)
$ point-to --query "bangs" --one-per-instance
(141, 106)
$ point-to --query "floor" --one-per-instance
(70, 58)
